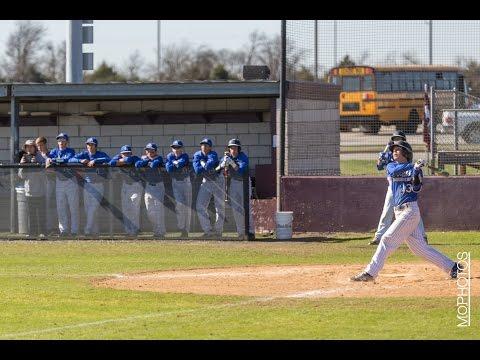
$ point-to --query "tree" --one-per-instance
(104, 73)
(409, 58)
(134, 66)
(54, 62)
(304, 74)
(219, 73)
(22, 57)
(472, 77)
(346, 61)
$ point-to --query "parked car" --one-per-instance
(468, 124)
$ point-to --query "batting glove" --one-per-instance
(419, 164)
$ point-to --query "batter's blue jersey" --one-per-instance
(402, 175)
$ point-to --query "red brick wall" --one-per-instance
(355, 203)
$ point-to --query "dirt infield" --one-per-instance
(298, 281)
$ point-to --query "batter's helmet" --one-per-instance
(234, 142)
(399, 134)
(405, 146)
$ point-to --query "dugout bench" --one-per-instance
(460, 158)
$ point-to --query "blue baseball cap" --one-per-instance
(62, 135)
(177, 143)
(125, 148)
(151, 146)
(92, 140)
(207, 141)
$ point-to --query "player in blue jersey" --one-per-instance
(93, 183)
(386, 218)
(66, 188)
(236, 162)
(132, 189)
(154, 188)
(205, 162)
(406, 182)
(178, 167)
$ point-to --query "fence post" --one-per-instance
(432, 127)
(281, 127)
(14, 137)
(455, 134)
(246, 202)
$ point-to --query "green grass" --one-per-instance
(46, 293)
(367, 167)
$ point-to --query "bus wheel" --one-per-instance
(372, 128)
(410, 127)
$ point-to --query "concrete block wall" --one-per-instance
(256, 138)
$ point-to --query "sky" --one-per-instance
(115, 40)
(377, 41)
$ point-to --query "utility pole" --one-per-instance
(316, 49)
(334, 42)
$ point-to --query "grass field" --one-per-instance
(46, 293)
(367, 167)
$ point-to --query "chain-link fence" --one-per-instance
(379, 69)
(109, 202)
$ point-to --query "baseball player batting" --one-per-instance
(406, 182)
(386, 218)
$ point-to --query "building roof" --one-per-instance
(124, 91)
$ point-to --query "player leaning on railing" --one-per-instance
(406, 182)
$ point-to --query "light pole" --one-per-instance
(159, 55)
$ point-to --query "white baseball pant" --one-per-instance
(154, 196)
(92, 196)
(235, 193)
(67, 201)
(182, 191)
(131, 197)
(210, 188)
(406, 228)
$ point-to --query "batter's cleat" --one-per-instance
(363, 276)
(374, 242)
(457, 268)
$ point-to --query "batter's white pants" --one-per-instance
(406, 228)
(235, 193)
(131, 197)
(209, 188)
(386, 219)
(154, 196)
(182, 191)
(92, 197)
(67, 202)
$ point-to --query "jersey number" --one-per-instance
(408, 188)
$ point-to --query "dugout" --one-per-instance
(137, 113)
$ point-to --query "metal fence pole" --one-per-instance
(432, 127)
(455, 135)
(316, 49)
(281, 128)
(246, 203)
(14, 139)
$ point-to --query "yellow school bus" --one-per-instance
(389, 95)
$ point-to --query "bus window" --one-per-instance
(460, 83)
(402, 81)
(418, 83)
(410, 80)
(351, 83)
(395, 81)
(384, 81)
(368, 82)
(337, 80)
